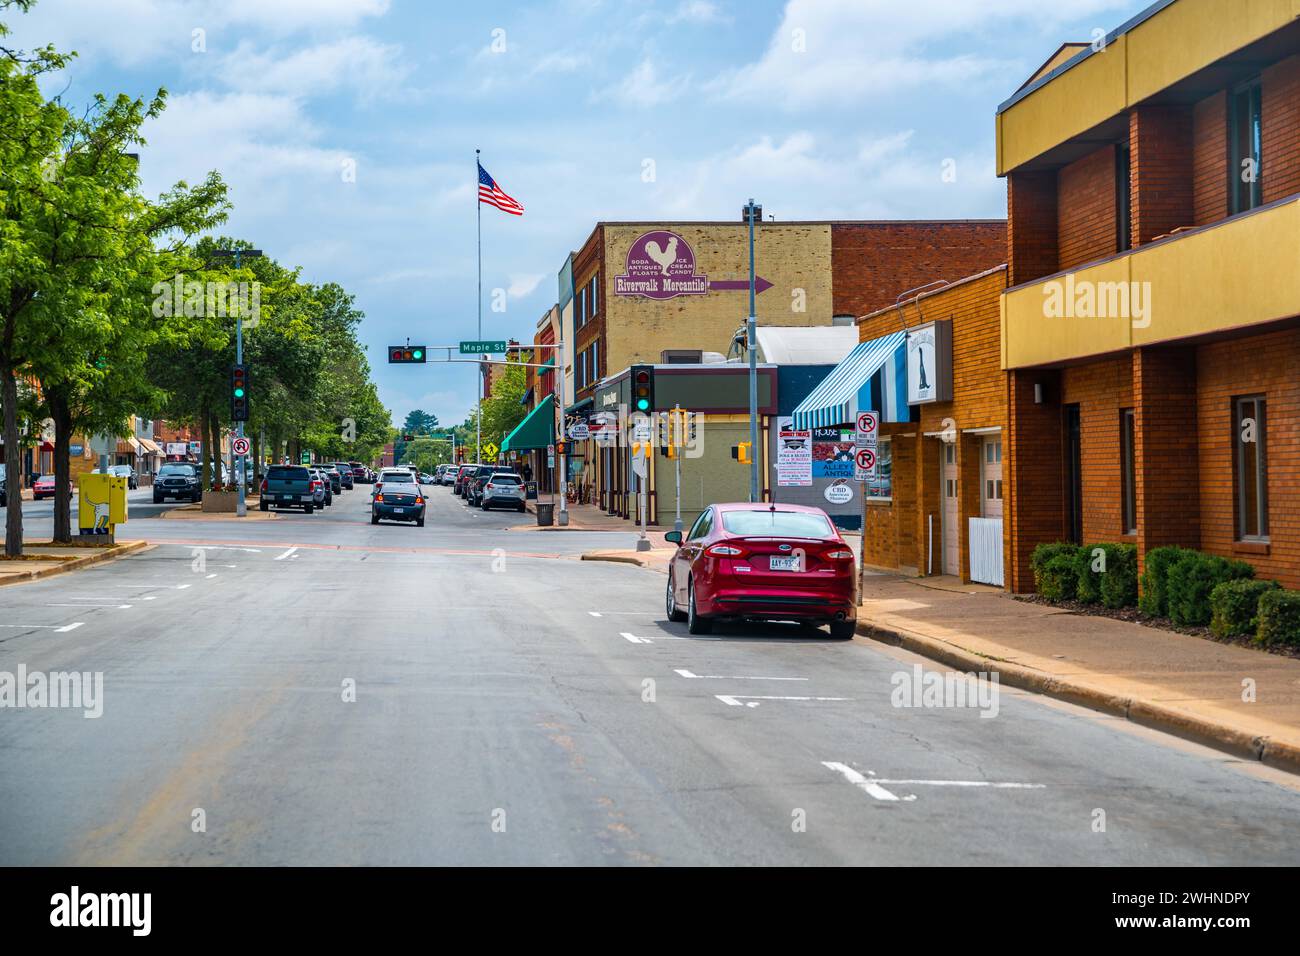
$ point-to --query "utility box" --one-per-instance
(101, 504)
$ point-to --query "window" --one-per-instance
(595, 361)
(1123, 198)
(582, 307)
(780, 524)
(1128, 470)
(582, 369)
(1251, 477)
(882, 486)
(701, 527)
(1246, 138)
(593, 295)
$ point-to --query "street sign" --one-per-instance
(490, 450)
(240, 446)
(306, 458)
(864, 464)
(868, 427)
(579, 431)
(482, 348)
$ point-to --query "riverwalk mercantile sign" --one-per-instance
(660, 265)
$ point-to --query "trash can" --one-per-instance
(545, 514)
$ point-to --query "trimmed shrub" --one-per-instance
(1279, 618)
(1088, 589)
(1045, 552)
(1234, 604)
(1154, 601)
(1190, 581)
(1059, 580)
(1119, 585)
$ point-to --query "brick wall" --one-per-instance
(1100, 389)
(1160, 145)
(1165, 438)
(1210, 159)
(1086, 227)
(1281, 149)
(1032, 234)
(1260, 364)
(872, 263)
(897, 534)
(1033, 488)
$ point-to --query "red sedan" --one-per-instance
(44, 487)
(766, 562)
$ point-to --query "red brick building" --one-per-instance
(1151, 330)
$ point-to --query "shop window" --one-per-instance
(1128, 469)
(1246, 137)
(882, 487)
(1251, 472)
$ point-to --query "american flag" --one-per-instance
(490, 193)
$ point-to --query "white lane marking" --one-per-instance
(859, 781)
(220, 547)
(664, 637)
(281, 557)
(594, 613)
(53, 626)
(637, 640)
(181, 587)
(121, 607)
(151, 597)
(687, 674)
(69, 627)
(210, 577)
(967, 783)
(752, 700)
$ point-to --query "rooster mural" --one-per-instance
(664, 256)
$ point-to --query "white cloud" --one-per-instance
(696, 11)
(359, 64)
(841, 50)
(644, 87)
(522, 285)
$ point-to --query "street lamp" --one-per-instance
(751, 212)
(238, 255)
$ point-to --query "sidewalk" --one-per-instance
(42, 560)
(1177, 683)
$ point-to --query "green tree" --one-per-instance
(419, 422)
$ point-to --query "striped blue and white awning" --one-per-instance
(848, 388)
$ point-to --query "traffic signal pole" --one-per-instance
(751, 345)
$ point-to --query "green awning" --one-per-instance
(537, 430)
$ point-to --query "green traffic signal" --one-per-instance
(239, 393)
(417, 354)
(642, 404)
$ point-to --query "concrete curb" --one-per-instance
(129, 547)
(1223, 737)
(616, 558)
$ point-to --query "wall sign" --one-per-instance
(839, 493)
(794, 455)
(660, 265)
(929, 363)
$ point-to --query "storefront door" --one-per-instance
(951, 552)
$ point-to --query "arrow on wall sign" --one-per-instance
(739, 285)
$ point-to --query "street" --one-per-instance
(315, 690)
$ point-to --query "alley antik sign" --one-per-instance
(929, 363)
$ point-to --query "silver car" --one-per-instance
(503, 489)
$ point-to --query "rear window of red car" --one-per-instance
(777, 524)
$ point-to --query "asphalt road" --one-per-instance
(315, 690)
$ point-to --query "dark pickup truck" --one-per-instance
(288, 486)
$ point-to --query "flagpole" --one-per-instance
(478, 412)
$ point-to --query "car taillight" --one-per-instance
(839, 554)
(490, 485)
(419, 500)
(263, 488)
(379, 497)
(316, 484)
(724, 551)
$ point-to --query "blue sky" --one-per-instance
(841, 109)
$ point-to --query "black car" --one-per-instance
(397, 497)
(345, 474)
(177, 479)
(479, 477)
(331, 474)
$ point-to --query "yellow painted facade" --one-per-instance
(795, 258)
(1168, 47)
(1231, 275)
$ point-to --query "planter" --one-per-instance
(220, 502)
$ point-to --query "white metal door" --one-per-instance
(948, 494)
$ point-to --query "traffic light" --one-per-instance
(238, 393)
(643, 388)
(741, 452)
(406, 355)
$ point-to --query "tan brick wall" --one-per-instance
(897, 535)
(791, 257)
(1100, 389)
(1281, 108)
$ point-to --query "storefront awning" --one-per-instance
(537, 430)
(847, 389)
(150, 447)
(128, 446)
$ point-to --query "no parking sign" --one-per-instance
(864, 464)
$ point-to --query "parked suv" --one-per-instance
(324, 493)
(289, 486)
(345, 474)
(462, 477)
(477, 479)
(331, 474)
(177, 479)
(504, 489)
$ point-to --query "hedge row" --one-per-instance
(1186, 586)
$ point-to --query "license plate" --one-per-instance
(784, 564)
(398, 511)
(287, 498)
